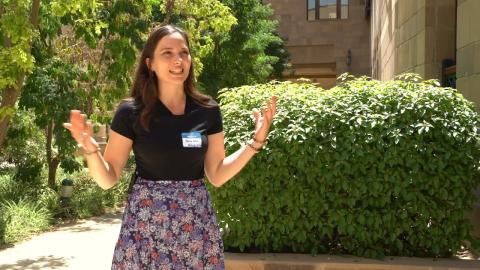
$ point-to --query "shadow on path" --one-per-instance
(36, 263)
(5, 246)
(109, 218)
(93, 224)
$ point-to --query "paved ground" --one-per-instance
(85, 245)
(88, 245)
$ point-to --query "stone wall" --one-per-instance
(319, 48)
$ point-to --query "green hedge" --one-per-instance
(367, 168)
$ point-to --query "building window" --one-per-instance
(327, 9)
(344, 9)
(311, 10)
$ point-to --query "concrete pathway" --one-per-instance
(86, 245)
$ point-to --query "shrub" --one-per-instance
(26, 207)
(23, 218)
(24, 148)
(367, 168)
(3, 226)
(49, 199)
(89, 199)
(14, 189)
(29, 172)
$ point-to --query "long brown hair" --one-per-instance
(145, 84)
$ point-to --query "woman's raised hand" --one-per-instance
(81, 131)
(264, 121)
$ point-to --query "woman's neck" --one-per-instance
(173, 97)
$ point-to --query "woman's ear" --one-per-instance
(147, 62)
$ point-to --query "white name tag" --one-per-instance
(192, 139)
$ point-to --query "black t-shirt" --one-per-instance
(176, 145)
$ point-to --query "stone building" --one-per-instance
(412, 36)
(435, 38)
(325, 37)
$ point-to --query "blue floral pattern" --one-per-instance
(169, 225)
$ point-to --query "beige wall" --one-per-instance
(319, 48)
(468, 50)
(412, 36)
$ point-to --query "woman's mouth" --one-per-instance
(176, 71)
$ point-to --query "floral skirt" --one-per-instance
(169, 225)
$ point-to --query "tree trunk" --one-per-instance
(51, 161)
(52, 172)
(9, 98)
(11, 94)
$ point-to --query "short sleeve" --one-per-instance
(216, 122)
(123, 120)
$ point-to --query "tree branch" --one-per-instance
(34, 13)
(168, 11)
(6, 41)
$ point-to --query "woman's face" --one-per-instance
(171, 60)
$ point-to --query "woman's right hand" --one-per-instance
(82, 131)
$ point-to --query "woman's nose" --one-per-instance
(178, 58)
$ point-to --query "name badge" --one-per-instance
(192, 139)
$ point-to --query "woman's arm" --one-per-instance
(218, 168)
(105, 170)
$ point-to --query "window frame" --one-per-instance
(338, 7)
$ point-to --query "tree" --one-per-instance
(250, 53)
(87, 66)
(55, 85)
(19, 25)
(277, 48)
(84, 58)
(52, 92)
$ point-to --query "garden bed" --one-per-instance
(279, 261)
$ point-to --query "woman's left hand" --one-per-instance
(264, 121)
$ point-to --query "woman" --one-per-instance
(177, 136)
